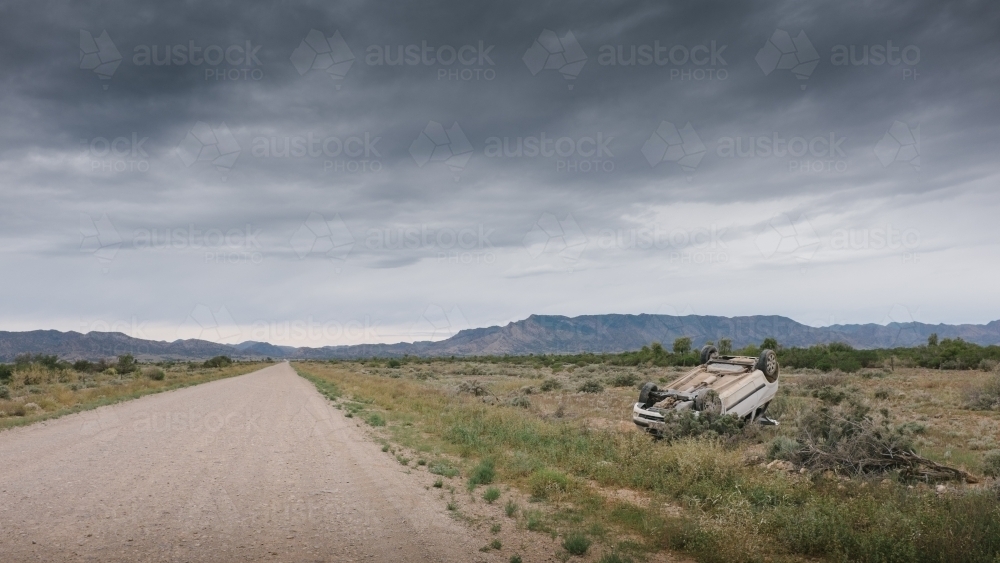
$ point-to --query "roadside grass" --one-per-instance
(36, 396)
(707, 497)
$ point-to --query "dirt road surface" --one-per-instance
(258, 467)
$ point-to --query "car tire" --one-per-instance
(648, 388)
(768, 364)
(707, 353)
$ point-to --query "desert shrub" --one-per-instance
(852, 438)
(4, 392)
(991, 463)
(534, 521)
(545, 482)
(817, 382)
(519, 401)
(784, 447)
(551, 384)
(591, 386)
(6, 372)
(688, 424)
(483, 474)
(830, 395)
(443, 468)
(218, 362)
(473, 387)
(154, 373)
(393, 364)
(491, 495)
(514, 559)
(510, 509)
(375, 419)
(576, 543)
(882, 393)
(985, 396)
(624, 380)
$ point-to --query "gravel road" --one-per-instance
(258, 467)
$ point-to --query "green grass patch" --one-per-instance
(491, 495)
(483, 474)
(576, 543)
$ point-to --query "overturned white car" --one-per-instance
(741, 386)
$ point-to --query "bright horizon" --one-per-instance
(434, 326)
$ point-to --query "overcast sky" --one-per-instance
(313, 174)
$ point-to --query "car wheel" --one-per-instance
(647, 389)
(707, 353)
(768, 363)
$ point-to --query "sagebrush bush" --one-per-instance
(576, 543)
(491, 495)
(591, 386)
(443, 468)
(985, 396)
(783, 447)
(991, 463)
(546, 482)
(484, 473)
(519, 401)
(551, 384)
(689, 424)
(154, 373)
(627, 379)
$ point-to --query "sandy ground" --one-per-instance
(258, 467)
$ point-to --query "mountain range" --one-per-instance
(538, 334)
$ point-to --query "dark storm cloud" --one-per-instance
(354, 149)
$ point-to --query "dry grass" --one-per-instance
(38, 394)
(586, 468)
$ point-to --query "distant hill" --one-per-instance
(538, 334)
